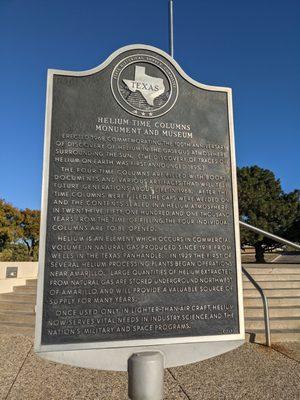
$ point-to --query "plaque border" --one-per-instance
(74, 353)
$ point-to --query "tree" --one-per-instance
(10, 219)
(19, 233)
(15, 252)
(293, 233)
(263, 204)
(30, 225)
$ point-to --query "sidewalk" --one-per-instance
(248, 373)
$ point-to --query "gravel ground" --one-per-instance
(249, 372)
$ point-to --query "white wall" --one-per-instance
(26, 270)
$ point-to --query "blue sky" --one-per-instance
(252, 47)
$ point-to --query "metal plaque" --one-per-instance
(139, 235)
(11, 272)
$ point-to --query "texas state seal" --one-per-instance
(144, 85)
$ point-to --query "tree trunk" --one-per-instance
(32, 248)
(259, 253)
(28, 247)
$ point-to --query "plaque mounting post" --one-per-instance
(146, 376)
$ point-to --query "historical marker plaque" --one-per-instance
(139, 228)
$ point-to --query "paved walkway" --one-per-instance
(249, 373)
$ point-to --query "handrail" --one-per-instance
(266, 306)
(270, 235)
(256, 285)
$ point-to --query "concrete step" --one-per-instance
(17, 318)
(273, 293)
(257, 312)
(272, 265)
(281, 324)
(31, 282)
(24, 290)
(13, 329)
(18, 297)
(11, 306)
(276, 336)
(273, 271)
(274, 277)
(274, 285)
(273, 302)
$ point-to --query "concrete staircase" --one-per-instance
(17, 310)
(282, 288)
(280, 281)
